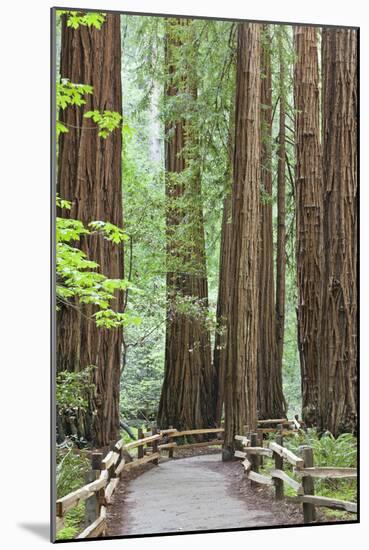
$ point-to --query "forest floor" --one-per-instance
(194, 493)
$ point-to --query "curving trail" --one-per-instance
(189, 494)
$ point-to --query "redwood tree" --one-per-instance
(271, 402)
(242, 340)
(89, 175)
(308, 181)
(280, 298)
(338, 370)
(187, 392)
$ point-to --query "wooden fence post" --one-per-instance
(147, 431)
(118, 449)
(278, 464)
(96, 459)
(170, 440)
(92, 508)
(155, 445)
(259, 431)
(308, 484)
(140, 449)
(112, 468)
(92, 503)
(254, 458)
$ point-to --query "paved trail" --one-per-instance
(190, 494)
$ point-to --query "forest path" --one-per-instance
(189, 494)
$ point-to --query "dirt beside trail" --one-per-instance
(193, 494)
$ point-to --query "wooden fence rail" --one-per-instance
(303, 467)
(106, 471)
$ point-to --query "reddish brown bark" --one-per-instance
(89, 175)
(271, 402)
(308, 215)
(281, 212)
(242, 340)
(338, 358)
(187, 392)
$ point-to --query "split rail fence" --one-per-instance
(253, 454)
(106, 471)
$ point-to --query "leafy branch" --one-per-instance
(69, 93)
(77, 277)
(76, 19)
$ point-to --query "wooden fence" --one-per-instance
(253, 453)
(106, 471)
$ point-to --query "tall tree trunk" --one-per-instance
(271, 402)
(220, 344)
(338, 370)
(308, 215)
(281, 211)
(242, 341)
(89, 175)
(187, 392)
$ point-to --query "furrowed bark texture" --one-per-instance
(187, 392)
(242, 342)
(281, 213)
(308, 215)
(89, 175)
(338, 370)
(271, 402)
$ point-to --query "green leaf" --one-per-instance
(76, 19)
